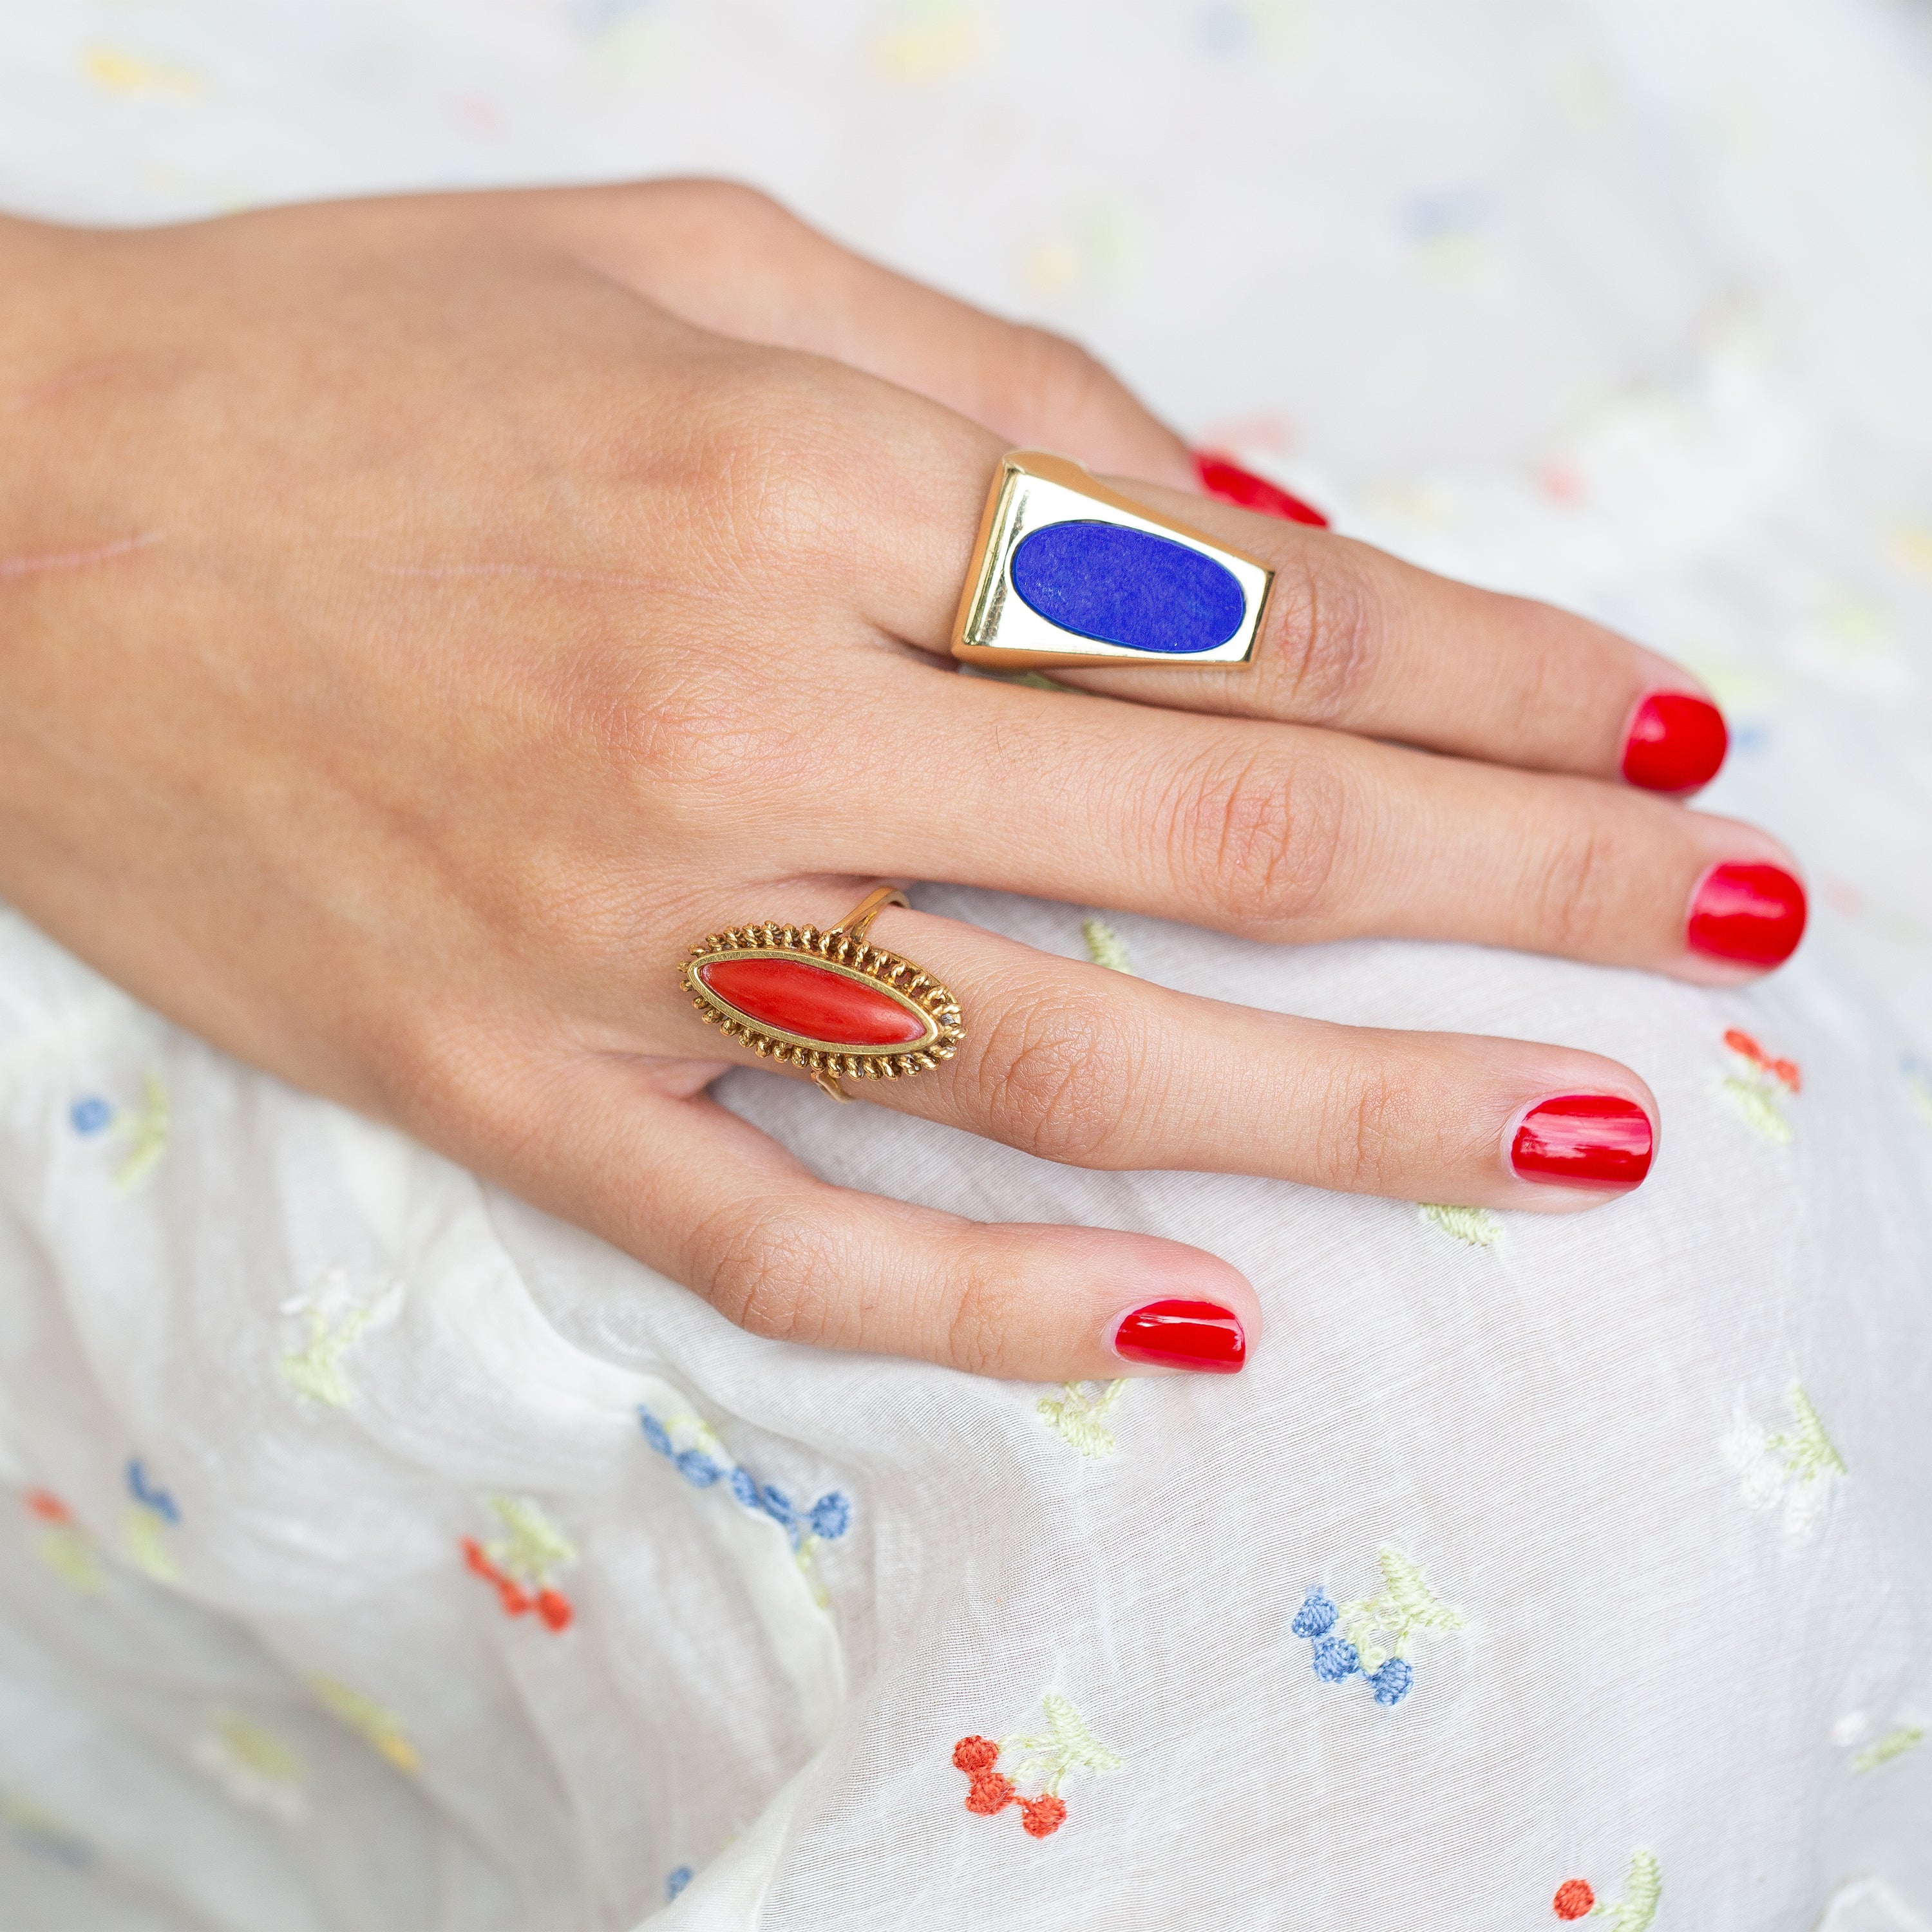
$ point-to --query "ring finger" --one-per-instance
(1099, 1069)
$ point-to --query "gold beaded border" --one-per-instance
(915, 990)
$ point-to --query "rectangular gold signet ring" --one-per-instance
(1067, 572)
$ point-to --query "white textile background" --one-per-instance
(376, 1556)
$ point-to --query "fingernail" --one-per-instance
(1598, 1140)
(1244, 489)
(1675, 742)
(1200, 1335)
(1752, 913)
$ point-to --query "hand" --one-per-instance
(420, 620)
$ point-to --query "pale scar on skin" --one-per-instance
(438, 571)
(78, 559)
(58, 385)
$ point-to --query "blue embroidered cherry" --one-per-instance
(1392, 1681)
(1336, 1658)
(1316, 1616)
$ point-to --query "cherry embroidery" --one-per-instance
(553, 1605)
(1068, 1746)
(518, 1565)
(1784, 1072)
(1042, 1816)
(1636, 1911)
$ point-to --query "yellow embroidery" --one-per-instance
(64, 1548)
(1068, 1745)
(1105, 946)
(145, 1544)
(1756, 1089)
(120, 72)
(1893, 1744)
(924, 40)
(1797, 1467)
(1475, 1226)
(253, 1765)
(334, 1320)
(1808, 1452)
(145, 1128)
(1386, 1626)
(1075, 1417)
(1643, 1886)
(535, 1546)
(380, 1726)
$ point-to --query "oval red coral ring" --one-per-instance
(827, 1001)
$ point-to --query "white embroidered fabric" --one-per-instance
(378, 1555)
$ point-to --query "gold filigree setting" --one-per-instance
(846, 952)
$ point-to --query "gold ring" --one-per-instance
(827, 1001)
(1067, 572)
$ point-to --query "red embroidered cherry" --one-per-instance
(992, 1791)
(1042, 1816)
(553, 1606)
(976, 1753)
(1574, 1898)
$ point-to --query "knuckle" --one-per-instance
(1054, 1077)
(1363, 1120)
(1574, 888)
(1323, 625)
(763, 482)
(723, 200)
(1052, 376)
(765, 1271)
(1264, 837)
(978, 1328)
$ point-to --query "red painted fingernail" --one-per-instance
(1596, 1140)
(1675, 742)
(1243, 487)
(1752, 913)
(1201, 1335)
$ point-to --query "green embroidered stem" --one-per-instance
(1069, 1745)
(1752, 1099)
(147, 1134)
(315, 1369)
(253, 1765)
(144, 1542)
(535, 1546)
(371, 1720)
(1920, 1088)
(1643, 1886)
(1893, 1744)
(1075, 1417)
(1387, 1625)
(1475, 1226)
(1808, 1452)
(1105, 946)
(335, 1320)
(66, 1551)
(261, 1750)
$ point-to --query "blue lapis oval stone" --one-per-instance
(1128, 587)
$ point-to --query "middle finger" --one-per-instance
(1290, 833)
